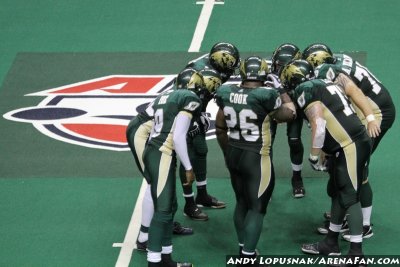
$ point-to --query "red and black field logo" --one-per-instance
(95, 113)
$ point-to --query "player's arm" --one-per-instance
(182, 124)
(315, 116)
(358, 97)
(286, 112)
(221, 130)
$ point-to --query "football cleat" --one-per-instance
(167, 261)
(321, 248)
(194, 213)
(210, 202)
(298, 188)
(367, 233)
(141, 246)
(178, 229)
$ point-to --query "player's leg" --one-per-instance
(330, 244)
(259, 185)
(233, 156)
(296, 155)
(199, 161)
(253, 182)
(357, 156)
(137, 135)
(351, 172)
(160, 171)
(190, 209)
(366, 195)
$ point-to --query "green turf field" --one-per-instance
(64, 204)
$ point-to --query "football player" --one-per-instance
(246, 111)
(173, 114)
(336, 130)
(220, 63)
(280, 57)
(337, 67)
(137, 135)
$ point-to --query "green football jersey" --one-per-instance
(166, 108)
(342, 124)
(246, 114)
(381, 101)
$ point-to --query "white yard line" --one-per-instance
(129, 244)
(202, 24)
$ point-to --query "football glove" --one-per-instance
(194, 129)
(205, 120)
(315, 164)
(273, 81)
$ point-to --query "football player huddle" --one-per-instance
(347, 109)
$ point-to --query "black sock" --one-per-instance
(202, 191)
(296, 175)
(332, 237)
(167, 261)
(154, 264)
(355, 248)
(190, 201)
(187, 191)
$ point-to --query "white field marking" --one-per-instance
(202, 23)
(129, 244)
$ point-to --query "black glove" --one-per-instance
(194, 129)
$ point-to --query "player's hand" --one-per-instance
(190, 177)
(316, 165)
(373, 128)
(273, 81)
(205, 120)
(194, 129)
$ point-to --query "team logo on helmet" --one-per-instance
(318, 58)
(295, 73)
(195, 81)
(224, 59)
(212, 79)
(290, 72)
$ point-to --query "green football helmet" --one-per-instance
(212, 79)
(224, 57)
(254, 68)
(190, 79)
(282, 55)
(317, 54)
(295, 73)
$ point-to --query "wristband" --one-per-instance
(313, 158)
(370, 118)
